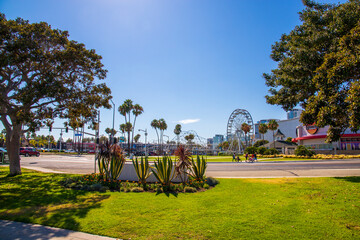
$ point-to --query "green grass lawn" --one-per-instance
(284, 208)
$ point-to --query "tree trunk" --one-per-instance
(13, 146)
(274, 138)
(129, 147)
(132, 137)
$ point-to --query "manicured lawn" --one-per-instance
(303, 208)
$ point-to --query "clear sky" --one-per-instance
(181, 59)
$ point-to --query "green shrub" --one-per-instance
(212, 181)
(95, 187)
(260, 143)
(250, 150)
(304, 151)
(262, 150)
(190, 189)
(137, 189)
(206, 186)
(271, 151)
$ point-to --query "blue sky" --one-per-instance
(179, 59)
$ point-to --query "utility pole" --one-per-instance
(61, 139)
(96, 141)
(49, 140)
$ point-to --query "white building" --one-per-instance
(287, 127)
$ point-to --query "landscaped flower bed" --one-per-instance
(97, 182)
(111, 161)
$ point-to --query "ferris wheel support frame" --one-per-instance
(238, 132)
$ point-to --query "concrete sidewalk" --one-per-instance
(24, 231)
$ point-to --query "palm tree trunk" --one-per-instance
(133, 129)
(158, 138)
(161, 142)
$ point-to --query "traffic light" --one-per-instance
(50, 128)
(97, 140)
(115, 140)
(66, 129)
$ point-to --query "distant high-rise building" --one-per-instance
(217, 139)
(295, 113)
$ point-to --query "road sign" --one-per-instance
(78, 134)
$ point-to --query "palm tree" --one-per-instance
(122, 128)
(111, 132)
(125, 110)
(162, 127)
(263, 129)
(245, 128)
(177, 131)
(155, 125)
(137, 137)
(137, 110)
(273, 125)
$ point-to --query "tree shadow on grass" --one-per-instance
(175, 194)
(39, 198)
(349, 179)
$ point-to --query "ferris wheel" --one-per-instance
(234, 132)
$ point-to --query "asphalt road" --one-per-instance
(321, 168)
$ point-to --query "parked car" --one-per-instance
(70, 151)
(29, 151)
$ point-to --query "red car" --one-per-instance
(28, 151)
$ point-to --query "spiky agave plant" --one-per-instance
(164, 170)
(103, 158)
(183, 157)
(111, 161)
(198, 168)
(117, 161)
(142, 170)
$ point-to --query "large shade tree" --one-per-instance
(318, 67)
(44, 75)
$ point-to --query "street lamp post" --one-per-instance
(112, 130)
(145, 131)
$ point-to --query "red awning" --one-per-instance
(323, 136)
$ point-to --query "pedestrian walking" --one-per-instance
(246, 157)
(255, 157)
(234, 158)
